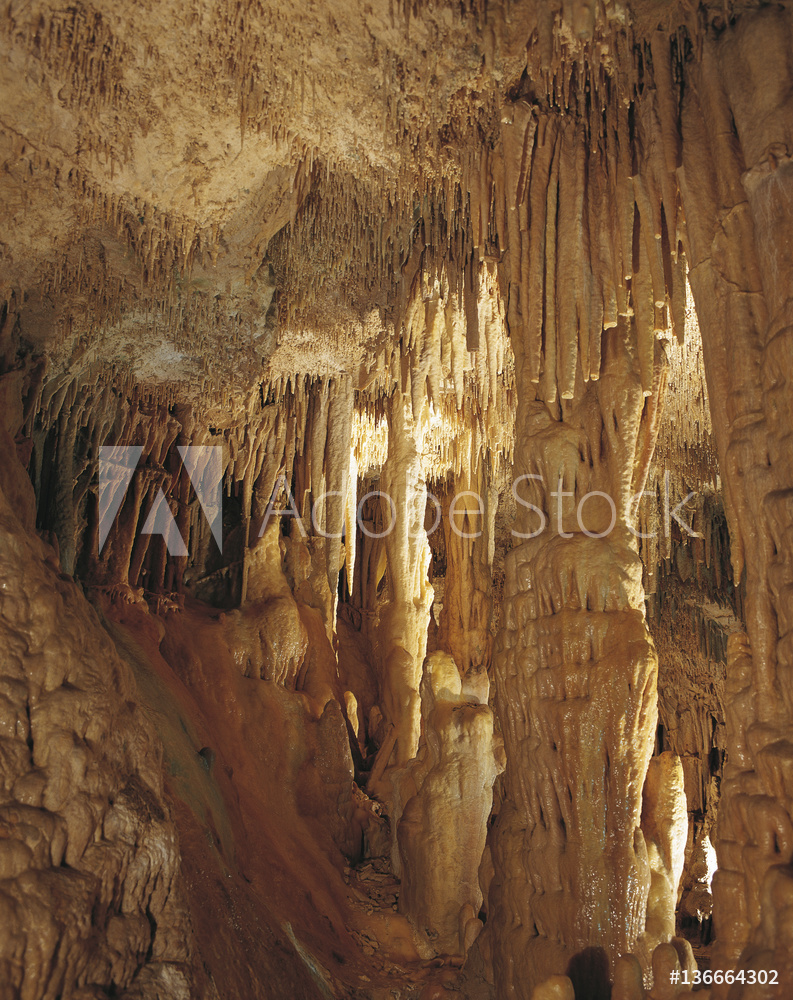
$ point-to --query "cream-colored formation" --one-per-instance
(576, 675)
(448, 257)
(403, 643)
(441, 831)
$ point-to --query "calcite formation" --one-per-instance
(453, 777)
(395, 476)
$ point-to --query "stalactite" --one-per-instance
(569, 250)
(551, 340)
(318, 286)
(537, 252)
(642, 297)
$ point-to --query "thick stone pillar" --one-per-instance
(576, 676)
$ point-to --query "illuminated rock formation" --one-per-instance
(441, 831)
(393, 395)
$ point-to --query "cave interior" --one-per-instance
(396, 500)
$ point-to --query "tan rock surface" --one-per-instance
(443, 826)
(422, 249)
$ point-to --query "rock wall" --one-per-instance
(91, 889)
(692, 617)
(449, 253)
(735, 126)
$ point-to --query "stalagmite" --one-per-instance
(395, 521)
(555, 988)
(665, 827)
(454, 772)
(404, 644)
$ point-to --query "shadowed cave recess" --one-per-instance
(396, 480)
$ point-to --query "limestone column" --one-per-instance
(574, 665)
(405, 619)
(576, 676)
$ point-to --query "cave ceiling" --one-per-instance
(264, 185)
